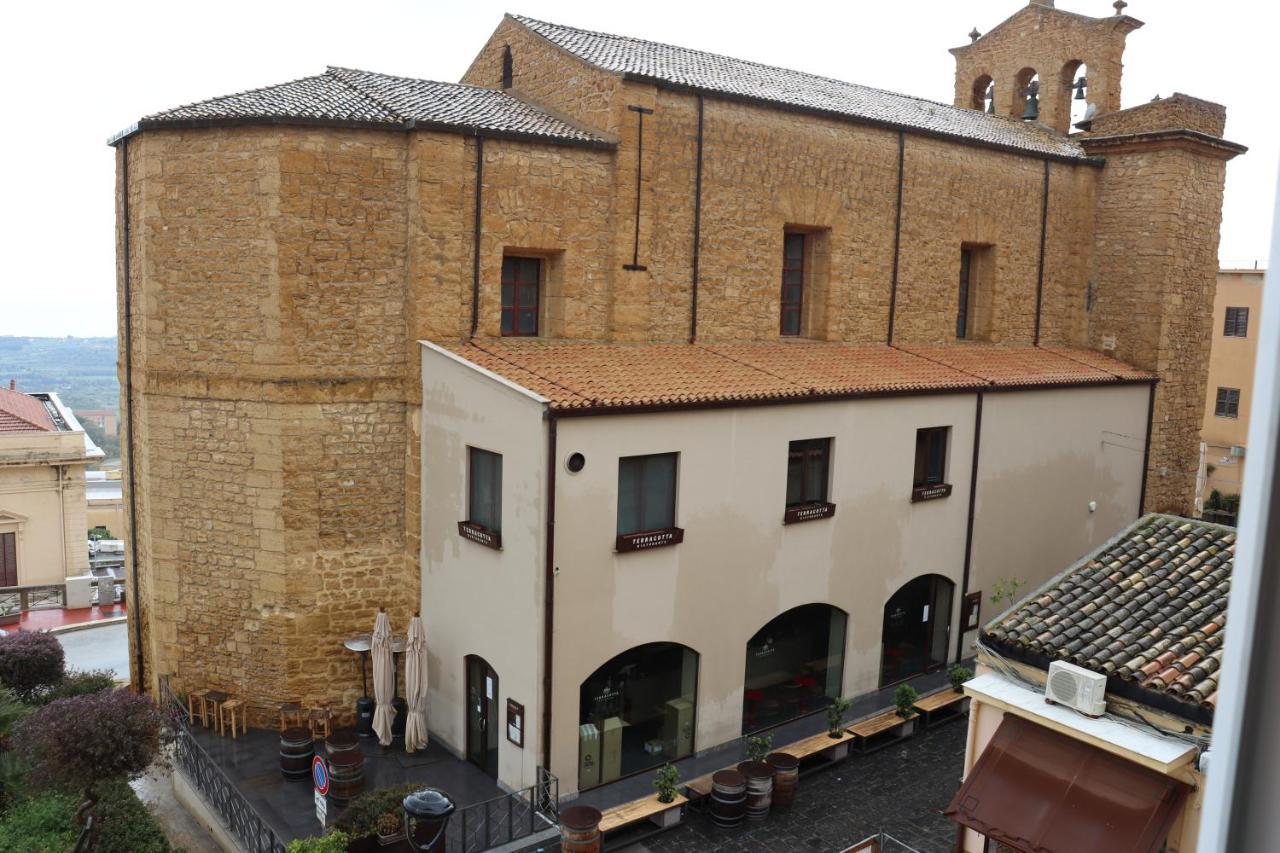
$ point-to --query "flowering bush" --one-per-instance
(30, 661)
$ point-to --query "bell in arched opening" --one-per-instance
(1032, 93)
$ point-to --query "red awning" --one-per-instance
(1039, 791)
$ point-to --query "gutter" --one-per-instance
(135, 604)
(549, 591)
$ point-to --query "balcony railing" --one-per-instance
(15, 599)
(505, 819)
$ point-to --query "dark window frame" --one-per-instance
(929, 477)
(1236, 322)
(795, 248)
(514, 288)
(648, 536)
(1227, 403)
(484, 523)
(9, 558)
(966, 290)
(813, 498)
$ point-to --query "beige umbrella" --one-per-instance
(415, 686)
(384, 687)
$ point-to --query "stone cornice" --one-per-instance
(1190, 140)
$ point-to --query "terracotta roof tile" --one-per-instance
(578, 375)
(1161, 591)
(23, 413)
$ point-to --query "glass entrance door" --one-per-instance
(482, 715)
(917, 624)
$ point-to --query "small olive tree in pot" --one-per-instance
(904, 698)
(666, 781)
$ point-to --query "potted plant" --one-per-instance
(835, 716)
(389, 827)
(758, 746)
(958, 676)
(665, 781)
(905, 699)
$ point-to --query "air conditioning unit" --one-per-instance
(1077, 688)
(1237, 450)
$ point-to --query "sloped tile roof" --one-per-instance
(1149, 608)
(713, 73)
(345, 96)
(22, 413)
(605, 376)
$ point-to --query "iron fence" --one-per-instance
(511, 817)
(203, 773)
(37, 597)
(881, 842)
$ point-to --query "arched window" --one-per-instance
(636, 712)
(984, 93)
(507, 67)
(795, 666)
(1026, 95)
(917, 625)
(1074, 85)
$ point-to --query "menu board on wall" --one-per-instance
(515, 723)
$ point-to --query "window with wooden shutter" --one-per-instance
(8, 559)
(1236, 324)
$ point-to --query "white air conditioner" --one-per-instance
(1237, 450)
(1077, 688)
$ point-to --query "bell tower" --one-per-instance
(1033, 65)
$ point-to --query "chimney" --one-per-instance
(13, 385)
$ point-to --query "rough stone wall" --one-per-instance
(1155, 260)
(1053, 42)
(1178, 111)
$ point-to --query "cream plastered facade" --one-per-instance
(739, 566)
(1231, 361)
(42, 501)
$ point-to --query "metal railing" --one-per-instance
(881, 842)
(511, 817)
(37, 597)
(203, 773)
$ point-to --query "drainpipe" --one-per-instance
(475, 237)
(968, 530)
(549, 592)
(1044, 227)
(135, 604)
(697, 229)
(897, 237)
(635, 265)
(1146, 450)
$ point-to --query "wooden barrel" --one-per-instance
(728, 798)
(346, 775)
(340, 741)
(759, 778)
(580, 830)
(296, 751)
(786, 778)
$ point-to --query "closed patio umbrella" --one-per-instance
(384, 687)
(415, 686)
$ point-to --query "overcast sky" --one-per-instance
(77, 72)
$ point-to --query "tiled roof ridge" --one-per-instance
(574, 391)
(525, 19)
(11, 411)
(756, 367)
(336, 72)
(1062, 351)
(162, 114)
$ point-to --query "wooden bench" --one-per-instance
(815, 745)
(940, 706)
(636, 811)
(879, 731)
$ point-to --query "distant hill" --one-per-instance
(82, 371)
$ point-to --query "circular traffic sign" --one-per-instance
(320, 775)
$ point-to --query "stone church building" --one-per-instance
(283, 251)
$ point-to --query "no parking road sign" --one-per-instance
(320, 776)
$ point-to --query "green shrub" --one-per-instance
(758, 747)
(905, 699)
(30, 661)
(126, 824)
(360, 818)
(665, 781)
(42, 824)
(334, 841)
(958, 675)
(78, 683)
(835, 715)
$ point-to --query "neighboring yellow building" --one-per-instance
(43, 455)
(1237, 308)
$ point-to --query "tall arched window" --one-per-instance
(984, 92)
(636, 712)
(1026, 95)
(508, 67)
(795, 665)
(917, 625)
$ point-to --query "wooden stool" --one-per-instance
(290, 711)
(318, 720)
(228, 713)
(214, 700)
(194, 697)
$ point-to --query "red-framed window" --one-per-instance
(792, 283)
(521, 286)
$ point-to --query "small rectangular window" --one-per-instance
(646, 501)
(962, 315)
(931, 464)
(793, 246)
(1228, 403)
(807, 471)
(521, 286)
(1237, 323)
(484, 498)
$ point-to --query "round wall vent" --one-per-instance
(575, 463)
